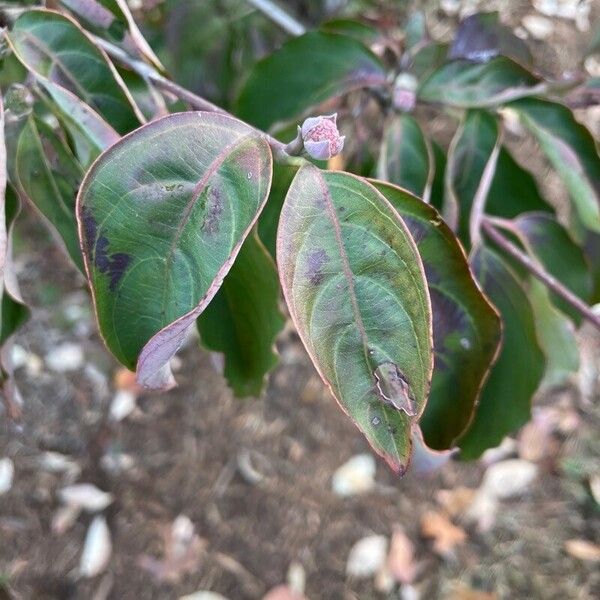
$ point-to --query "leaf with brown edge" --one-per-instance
(466, 327)
(355, 287)
(162, 216)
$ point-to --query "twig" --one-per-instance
(539, 273)
(195, 101)
(279, 16)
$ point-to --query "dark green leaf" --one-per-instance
(55, 47)
(472, 152)
(243, 319)
(348, 27)
(163, 214)
(572, 151)
(548, 242)
(428, 58)
(466, 328)
(269, 217)
(304, 72)
(505, 402)
(356, 291)
(437, 185)
(46, 173)
(406, 158)
(482, 36)
(466, 84)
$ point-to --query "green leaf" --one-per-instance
(572, 151)
(556, 335)
(437, 185)
(466, 327)
(243, 319)
(90, 134)
(482, 36)
(514, 189)
(269, 217)
(53, 46)
(113, 20)
(162, 216)
(348, 27)
(465, 84)
(548, 242)
(415, 31)
(303, 73)
(472, 153)
(354, 284)
(505, 402)
(406, 158)
(428, 58)
(45, 172)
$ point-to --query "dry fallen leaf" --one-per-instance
(446, 536)
(583, 550)
(456, 501)
(96, 549)
(283, 592)
(183, 551)
(401, 560)
(461, 591)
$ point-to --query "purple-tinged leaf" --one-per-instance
(162, 216)
(505, 402)
(356, 291)
(466, 327)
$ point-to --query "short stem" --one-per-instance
(279, 16)
(539, 273)
(195, 101)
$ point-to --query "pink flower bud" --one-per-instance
(321, 137)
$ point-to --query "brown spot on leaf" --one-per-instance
(393, 388)
(214, 209)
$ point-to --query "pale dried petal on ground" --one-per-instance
(595, 488)
(461, 591)
(508, 478)
(7, 473)
(86, 496)
(203, 595)
(64, 518)
(539, 27)
(446, 536)
(537, 442)
(122, 405)
(65, 358)
(367, 556)
(97, 549)
(356, 476)
(583, 550)
(507, 448)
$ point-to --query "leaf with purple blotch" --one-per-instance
(466, 327)
(355, 287)
(162, 216)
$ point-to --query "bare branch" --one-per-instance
(279, 16)
(539, 273)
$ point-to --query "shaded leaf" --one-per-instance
(481, 37)
(54, 46)
(437, 185)
(466, 328)
(243, 319)
(113, 19)
(362, 32)
(149, 100)
(415, 31)
(356, 291)
(467, 84)
(269, 217)
(505, 402)
(556, 335)
(46, 173)
(282, 83)
(548, 242)
(161, 224)
(428, 58)
(471, 153)
(406, 158)
(572, 151)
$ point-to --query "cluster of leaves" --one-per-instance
(188, 219)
